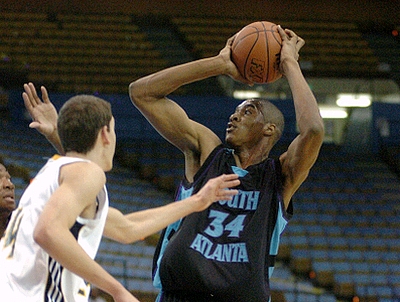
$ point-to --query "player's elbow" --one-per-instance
(41, 235)
(137, 92)
(125, 239)
(318, 128)
(316, 133)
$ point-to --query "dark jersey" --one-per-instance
(226, 253)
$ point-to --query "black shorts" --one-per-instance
(186, 297)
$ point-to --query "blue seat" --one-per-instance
(298, 241)
(322, 266)
(361, 267)
(354, 256)
(342, 267)
(336, 255)
(343, 278)
(340, 243)
(319, 254)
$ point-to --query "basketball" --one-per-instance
(256, 52)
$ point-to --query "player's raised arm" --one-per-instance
(149, 95)
(303, 151)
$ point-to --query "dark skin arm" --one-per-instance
(196, 141)
(303, 151)
(149, 95)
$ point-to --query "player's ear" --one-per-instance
(105, 134)
(269, 129)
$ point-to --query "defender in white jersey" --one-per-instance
(30, 274)
(52, 238)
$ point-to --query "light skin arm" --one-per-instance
(43, 113)
(75, 197)
(303, 151)
(137, 225)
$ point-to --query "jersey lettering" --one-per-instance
(220, 223)
(230, 252)
(245, 200)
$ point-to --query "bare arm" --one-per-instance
(149, 95)
(303, 151)
(75, 197)
(137, 225)
(43, 113)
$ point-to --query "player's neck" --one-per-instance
(246, 158)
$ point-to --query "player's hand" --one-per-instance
(231, 69)
(43, 113)
(291, 45)
(216, 189)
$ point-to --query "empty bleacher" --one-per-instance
(104, 53)
(333, 49)
(80, 53)
(345, 230)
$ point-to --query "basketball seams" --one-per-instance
(267, 56)
(245, 67)
(255, 48)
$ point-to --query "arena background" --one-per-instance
(343, 243)
(385, 11)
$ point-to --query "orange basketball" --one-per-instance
(256, 52)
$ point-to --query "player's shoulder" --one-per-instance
(83, 171)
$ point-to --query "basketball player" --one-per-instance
(52, 238)
(7, 197)
(227, 252)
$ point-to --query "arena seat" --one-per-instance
(356, 253)
(68, 51)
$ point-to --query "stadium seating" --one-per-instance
(78, 53)
(344, 237)
(104, 53)
(352, 249)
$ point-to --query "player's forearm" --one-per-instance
(307, 112)
(63, 247)
(166, 81)
(151, 221)
(54, 139)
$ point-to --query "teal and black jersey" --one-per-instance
(227, 252)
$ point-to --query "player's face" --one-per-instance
(7, 197)
(245, 124)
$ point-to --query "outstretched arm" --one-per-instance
(43, 113)
(303, 151)
(137, 225)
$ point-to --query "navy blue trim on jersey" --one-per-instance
(53, 291)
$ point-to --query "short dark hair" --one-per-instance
(80, 120)
(273, 115)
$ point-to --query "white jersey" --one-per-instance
(27, 272)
